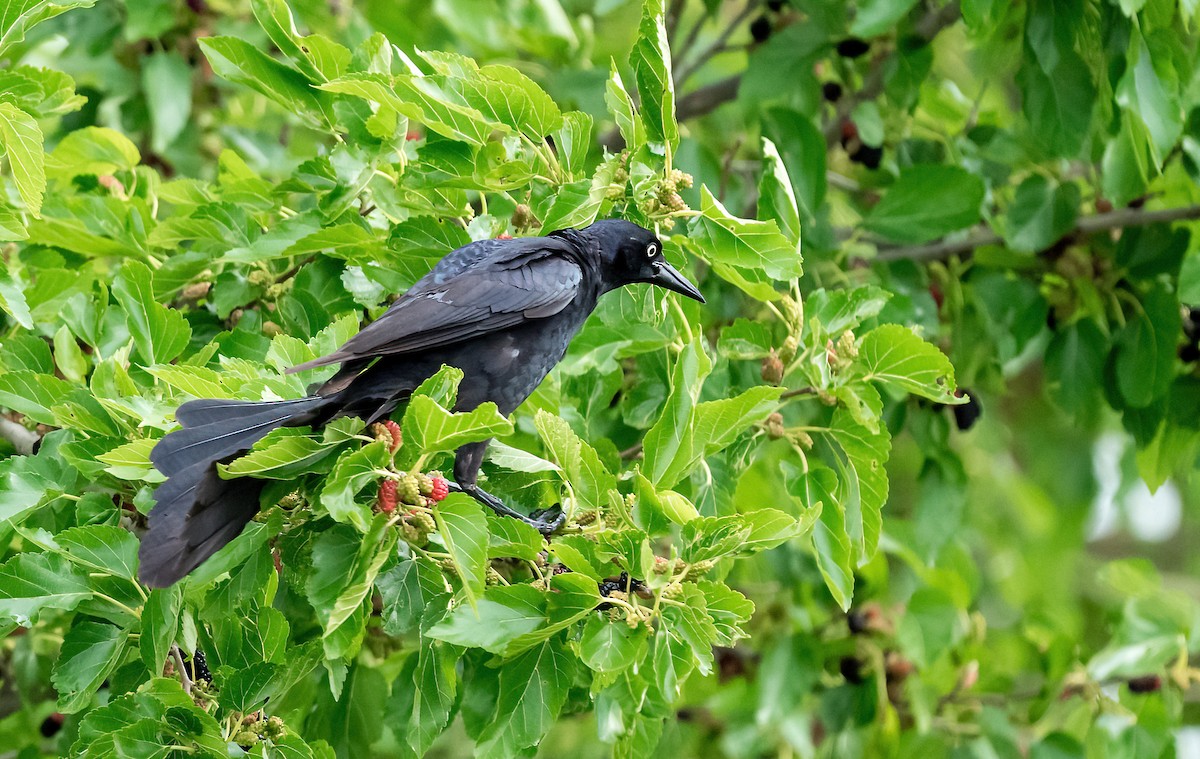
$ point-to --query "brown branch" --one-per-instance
(22, 440)
(1087, 225)
(706, 99)
(632, 452)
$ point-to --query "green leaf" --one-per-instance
(462, 528)
(427, 710)
(32, 394)
(621, 107)
(728, 609)
(663, 441)
(275, 18)
(160, 625)
(1058, 96)
(1040, 214)
(131, 461)
(651, 63)
(420, 99)
(895, 355)
(432, 429)
(159, 333)
(656, 509)
(502, 615)
(691, 624)
(574, 141)
(17, 17)
(12, 294)
(101, 548)
(708, 538)
(90, 652)
(239, 62)
(501, 93)
(1145, 349)
(927, 202)
(688, 432)
(776, 199)
(344, 567)
(353, 472)
(68, 356)
(607, 646)
(287, 456)
(1152, 94)
(1127, 164)
(751, 254)
(876, 17)
(21, 139)
(859, 459)
(771, 527)
(1075, 366)
(413, 591)
(167, 82)
(590, 480)
(816, 491)
(533, 688)
(745, 340)
(513, 538)
(571, 598)
(92, 150)
(247, 689)
(33, 582)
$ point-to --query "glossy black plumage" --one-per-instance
(502, 311)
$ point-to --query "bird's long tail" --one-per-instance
(197, 512)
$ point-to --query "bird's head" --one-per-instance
(632, 254)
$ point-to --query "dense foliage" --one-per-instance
(787, 533)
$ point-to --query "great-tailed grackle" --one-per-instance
(502, 311)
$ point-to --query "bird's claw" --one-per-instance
(548, 521)
(545, 521)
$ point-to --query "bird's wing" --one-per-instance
(471, 293)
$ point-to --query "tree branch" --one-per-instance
(22, 439)
(1088, 225)
(706, 99)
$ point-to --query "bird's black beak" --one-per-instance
(666, 276)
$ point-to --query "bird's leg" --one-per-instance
(467, 461)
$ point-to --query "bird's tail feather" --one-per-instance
(197, 512)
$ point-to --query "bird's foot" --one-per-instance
(545, 521)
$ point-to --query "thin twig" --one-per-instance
(22, 439)
(632, 452)
(798, 391)
(717, 46)
(1088, 225)
(184, 679)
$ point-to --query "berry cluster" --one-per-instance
(255, 730)
(411, 489)
(388, 432)
(666, 199)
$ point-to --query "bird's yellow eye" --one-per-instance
(652, 250)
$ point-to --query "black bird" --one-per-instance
(502, 311)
